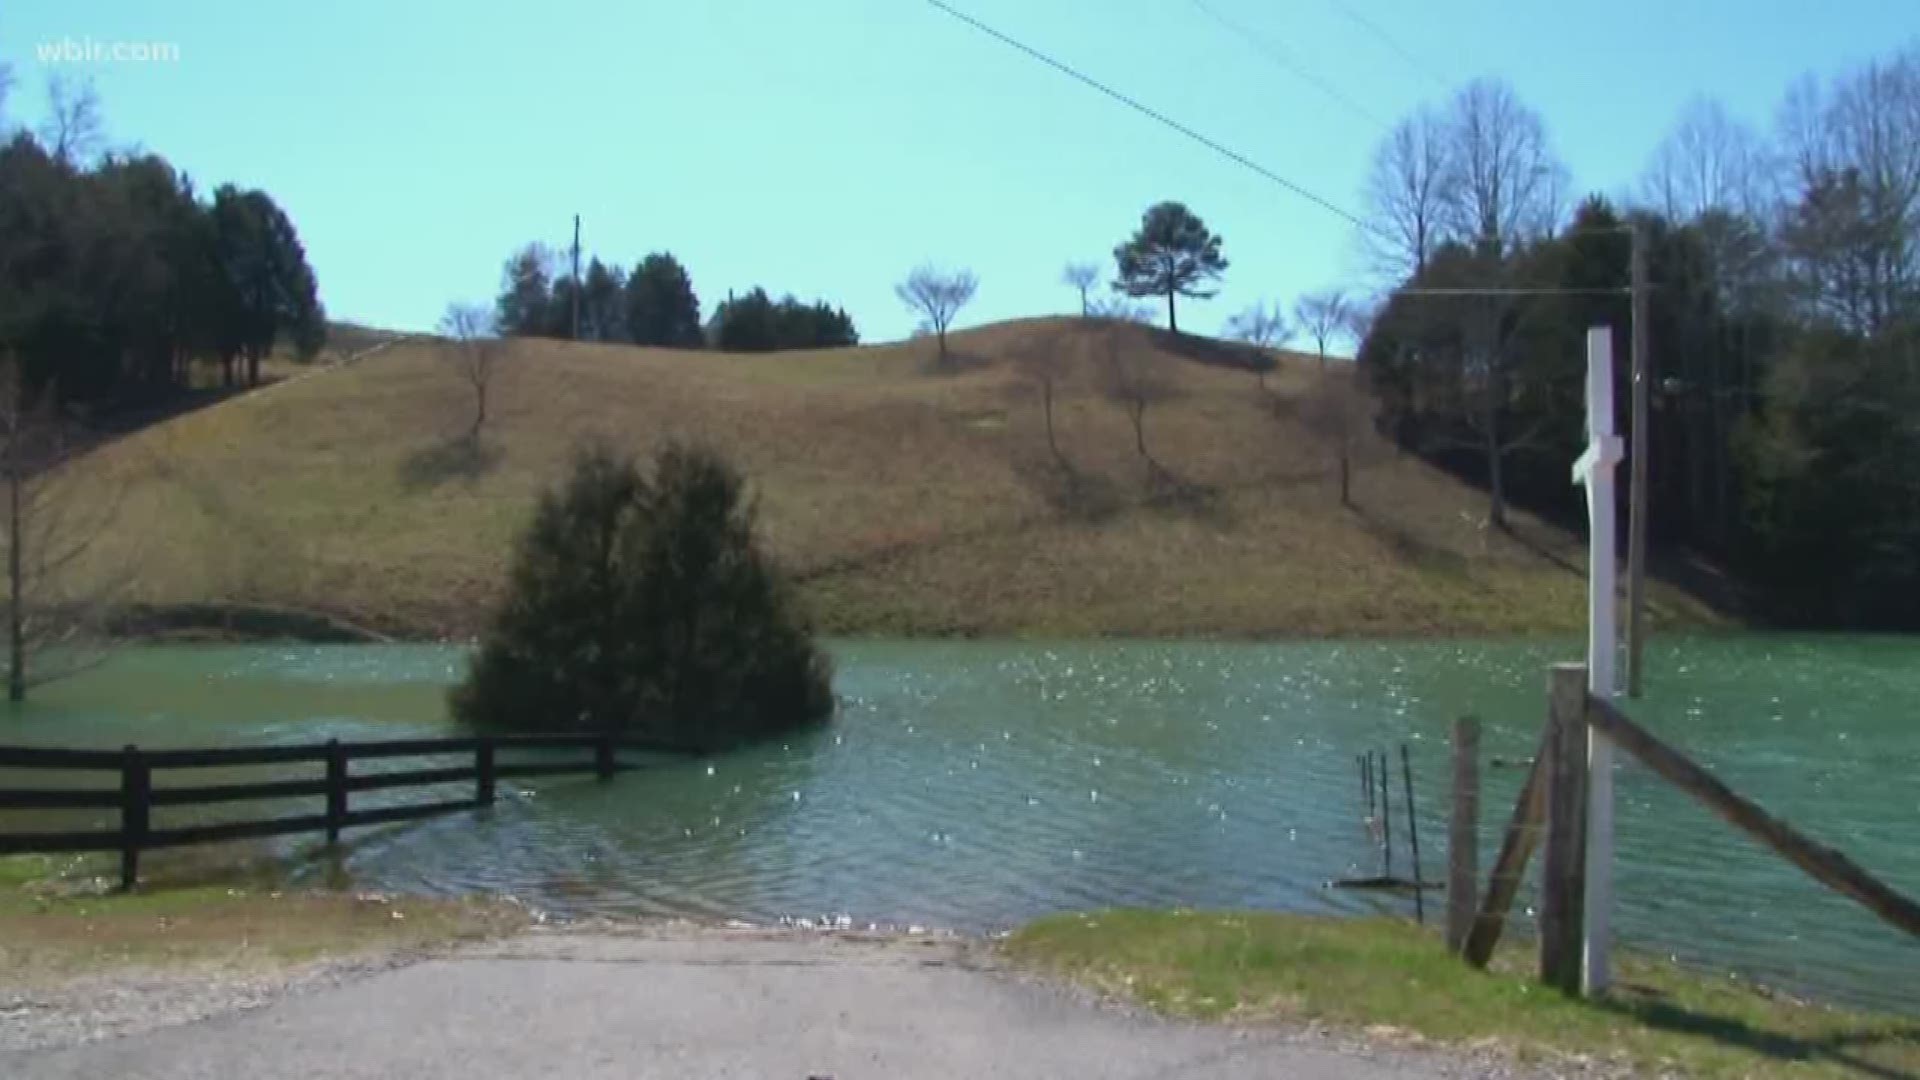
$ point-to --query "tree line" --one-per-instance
(654, 305)
(117, 275)
(1784, 321)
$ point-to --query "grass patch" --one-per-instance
(61, 917)
(1368, 973)
(905, 502)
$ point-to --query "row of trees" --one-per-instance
(1784, 319)
(653, 305)
(116, 276)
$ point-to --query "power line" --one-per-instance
(1242, 160)
(1073, 73)
(1379, 32)
(1281, 59)
(1496, 291)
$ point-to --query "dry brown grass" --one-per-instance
(907, 502)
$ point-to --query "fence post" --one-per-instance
(1386, 816)
(1563, 882)
(136, 803)
(483, 766)
(1413, 838)
(1463, 833)
(336, 790)
(603, 757)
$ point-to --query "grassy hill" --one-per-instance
(906, 500)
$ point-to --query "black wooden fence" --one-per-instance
(137, 795)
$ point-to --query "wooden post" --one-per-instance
(1563, 862)
(1366, 773)
(1413, 837)
(1822, 863)
(484, 780)
(336, 790)
(1463, 833)
(603, 757)
(1386, 818)
(1637, 511)
(136, 806)
(1523, 832)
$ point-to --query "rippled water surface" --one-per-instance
(975, 784)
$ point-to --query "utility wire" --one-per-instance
(1379, 32)
(1282, 59)
(1245, 162)
(1230, 154)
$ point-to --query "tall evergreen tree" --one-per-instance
(662, 309)
(526, 292)
(1172, 254)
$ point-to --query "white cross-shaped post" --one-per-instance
(1594, 470)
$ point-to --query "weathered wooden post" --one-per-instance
(484, 777)
(1563, 862)
(136, 803)
(1594, 470)
(1413, 839)
(1386, 818)
(336, 790)
(1463, 833)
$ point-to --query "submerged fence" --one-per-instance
(136, 795)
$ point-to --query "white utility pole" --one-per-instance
(1594, 470)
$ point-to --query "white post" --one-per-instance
(1594, 470)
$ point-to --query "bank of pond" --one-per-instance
(975, 785)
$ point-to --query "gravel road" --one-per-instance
(681, 1003)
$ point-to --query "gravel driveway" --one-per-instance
(686, 1003)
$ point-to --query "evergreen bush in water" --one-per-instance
(640, 604)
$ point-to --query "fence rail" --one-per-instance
(135, 796)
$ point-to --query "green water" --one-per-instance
(975, 784)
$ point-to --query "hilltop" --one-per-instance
(904, 499)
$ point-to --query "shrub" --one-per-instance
(641, 605)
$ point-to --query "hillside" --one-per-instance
(905, 500)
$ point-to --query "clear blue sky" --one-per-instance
(826, 147)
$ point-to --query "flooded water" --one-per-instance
(975, 784)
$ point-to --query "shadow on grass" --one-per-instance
(462, 458)
(1839, 1048)
(1212, 351)
(1411, 549)
(1068, 490)
(1169, 492)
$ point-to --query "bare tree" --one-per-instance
(51, 524)
(1041, 362)
(1336, 410)
(1853, 230)
(1505, 184)
(1709, 161)
(1131, 377)
(1408, 194)
(74, 130)
(1323, 316)
(938, 296)
(1081, 277)
(1263, 326)
(475, 353)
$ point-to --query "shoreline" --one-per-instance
(244, 622)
